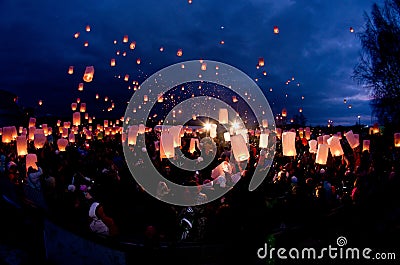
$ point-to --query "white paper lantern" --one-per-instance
(264, 123)
(30, 161)
(334, 146)
(39, 140)
(223, 116)
(289, 143)
(313, 146)
(132, 134)
(307, 133)
(22, 146)
(213, 131)
(89, 73)
(352, 139)
(71, 137)
(76, 119)
(167, 149)
(176, 133)
(322, 154)
(239, 148)
(142, 129)
(227, 136)
(263, 140)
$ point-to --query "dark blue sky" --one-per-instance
(315, 46)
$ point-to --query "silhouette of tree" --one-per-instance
(379, 64)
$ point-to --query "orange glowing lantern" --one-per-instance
(30, 161)
(264, 123)
(307, 133)
(70, 70)
(194, 142)
(351, 29)
(397, 140)
(71, 137)
(145, 98)
(62, 144)
(334, 146)
(82, 107)
(276, 30)
(126, 78)
(64, 133)
(125, 39)
(352, 139)
(89, 73)
(322, 154)
(39, 140)
(7, 134)
(80, 87)
(32, 122)
(88, 28)
(76, 119)
(138, 60)
(234, 99)
(239, 148)
(261, 62)
(76, 35)
(40, 102)
(86, 44)
(203, 66)
(313, 146)
(167, 149)
(74, 106)
(112, 62)
(132, 46)
(179, 53)
(263, 140)
(22, 146)
(97, 96)
(366, 144)
(284, 112)
(160, 98)
(288, 143)
(278, 132)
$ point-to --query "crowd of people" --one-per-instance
(89, 188)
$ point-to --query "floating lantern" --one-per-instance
(88, 28)
(278, 132)
(32, 122)
(313, 146)
(62, 144)
(40, 102)
(126, 78)
(179, 53)
(39, 140)
(234, 99)
(167, 149)
(366, 144)
(89, 73)
(45, 129)
(322, 154)
(31, 133)
(263, 140)
(30, 161)
(193, 143)
(22, 146)
(145, 98)
(284, 112)
(397, 140)
(203, 66)
(82, 107)
(176, 134)
(375, 129)
(227, 136)
(132, 134)
(335, 146)
(307, 133)
(78, 100)
(138, 61)
(125, 39)
(70, 70)
(142, 129)
(213, 131)
(86, 44)
(64, 133)
(80, 87)
(76, 35)
(76, 118)
(132, 46)
(288, 143)
(351, 29)
(223, 116)
(112, 62)
(71, 137)
(276, 30)
(260, 62)
(160, 98)
(320, 139)
(97, 96)
(74, 106)
(239, 148)
(352, 139)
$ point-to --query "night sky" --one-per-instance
(314, 49)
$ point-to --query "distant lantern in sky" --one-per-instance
(138, 61)
(161, 49)
(350, 106)
(284, 112)
(222, 42)
(189, 1)
(105, 98)
(264, 72)
(40, 102)
(160, 98)
(62, 144)
(126, 78)
(203, 66)
(112, 62)
(366, 144)
(234, 99)
(132, 46)
(300, 110)
(88, 28)
(125, 39)
(78, 100)
(76, 35)
(179, 53)
(322, 154)
(74, 106)
(334, 146)
(76, 119)
(351, 29)
(223, 116)
(352, 139)
(97, 96)
(22, 146)
(261, 62)
(263, 140)
(82, 107)
(89, 73)
(145, 98)
(86, 44)
(80, 87)
(344, 101)
(397, 140)
(71, 70)
(276, 30)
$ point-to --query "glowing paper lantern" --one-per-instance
(223, 116)
(39, 140)
(132, 46)
(264, 123)
(397, 140)
(167, 149)
(278, 132)
(112, 62)
(145, 98)
(126, 78)
(80, 87)
(22, 146)
(313, 146)
(289, 143)
(132, 134)
(366, 144)
(176, 134)
(64, 133)
(31, 133)
(307, 133)
(239, 148)
(88, 28)
(32, 122)
(325, 139)
(7, 134)
(193, 143)
(138, 61)
(82, 107)
(284, 112)
(320, 139)
(179, 53)
(62, 144)
(334, 146)
(76, 119)
(74, 106)
(322, 154)
(142, 129)
(260, 62)
(125, 39)
(276, 30)
(213, 131)
(71, 137)
(203, 66)
(89, 73)
(352, 139)
(263, 140)
(234, 99)
(30, 161)
(70, 70)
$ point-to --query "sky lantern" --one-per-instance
(161, 49)
(234, 99)
(190, 1)
(7, 134)
(105, 123)
(78, 100)
(126, 78)
(239, 148)
(193, 143)
(145, 98)
(112, 62)
(64, 133)
(76, 118)
(86, 44)
(278, 132)
(203, 66)
(366, 144)
(261, 62)
(74, 105)
(97, 96)
(322, 154)
(31, 133)
(132, 134)
(263, 140)
(179, 53)
(82, 107)
(284, 112)
(351, 29)
(334, 146)
(138, 60)
(313, 146)
(227, 136)
(276, 30)
(45, 129)
(87, 28)
(132, 46)
(175, 131)
(32, 122)
(71, 137)
(288, 143)
(106, 99)
(320, 139)
(325, 139)
(80, 87)
(264, 123)
(71, 70)
(223, 116)
(30, 161)
(160, 98)
(39, 140)
(89, 73)
(167, 149)
(397, 140)
(76, 35)
(40, 102)
(264, 72)
(352, 139)
(62, 144)
(213, 130)
(125, 39)
(307, 132)
(22, 146)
